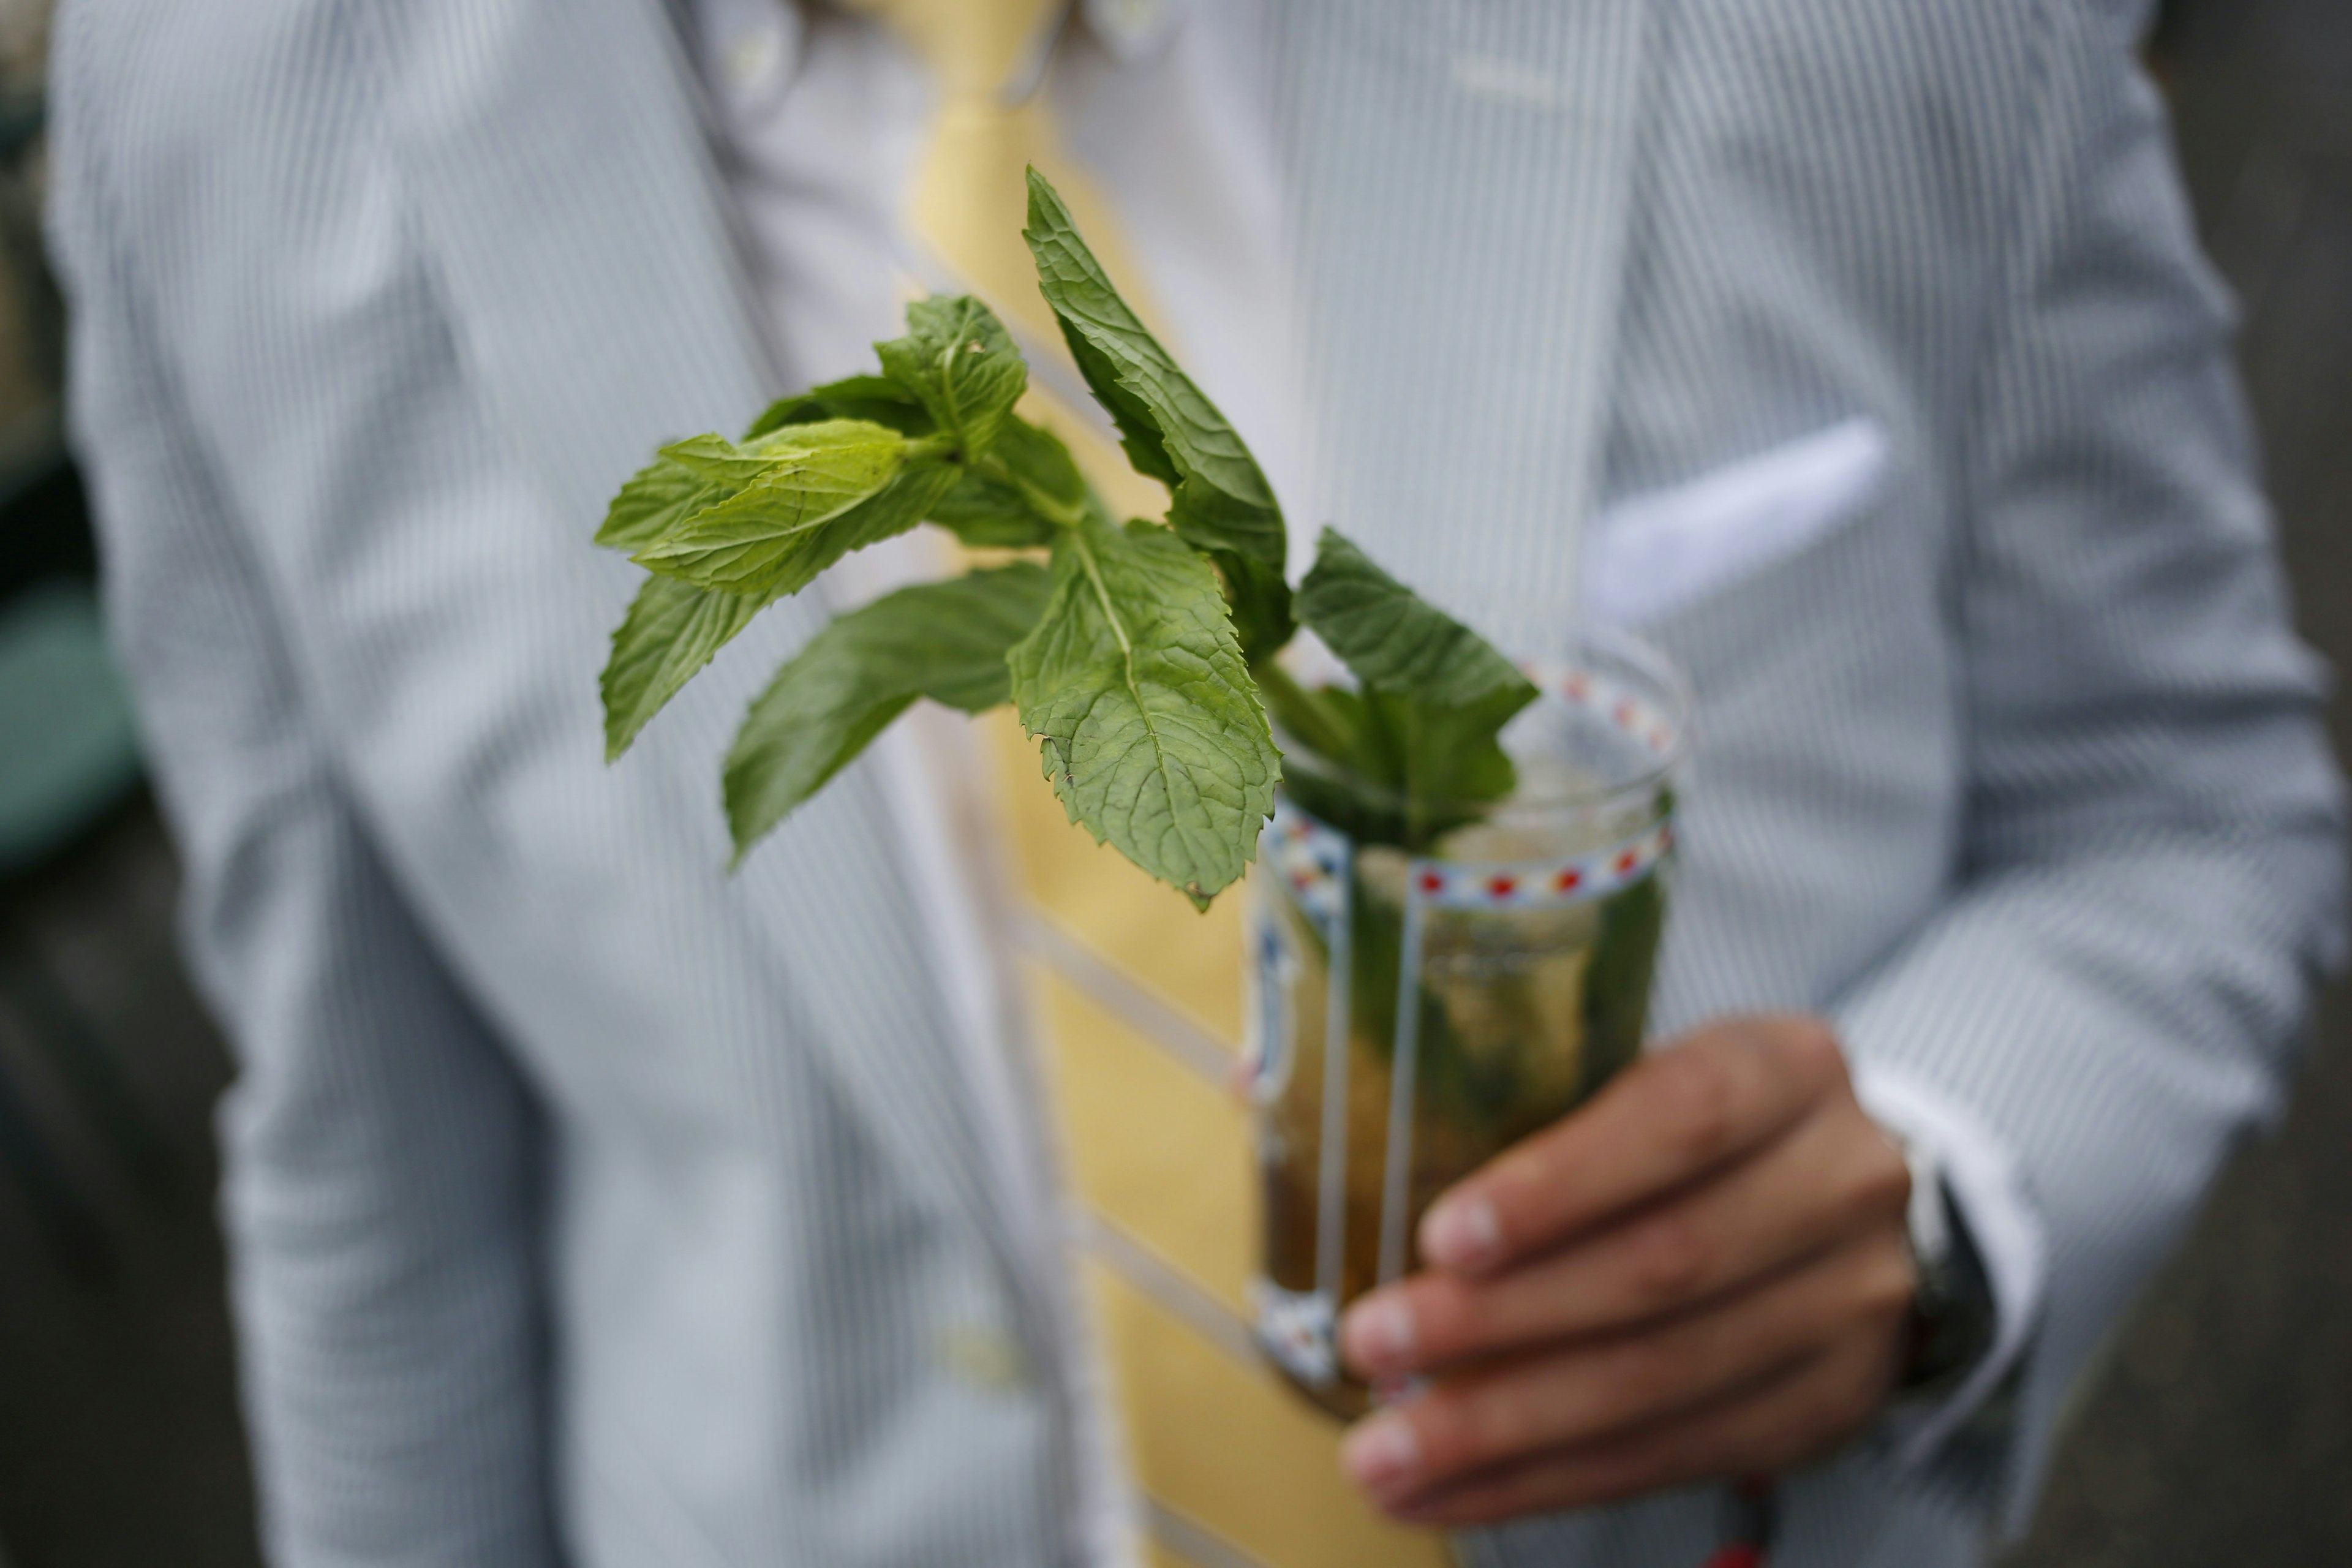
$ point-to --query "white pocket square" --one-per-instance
(1652, 555)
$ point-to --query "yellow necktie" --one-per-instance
(1139, 997)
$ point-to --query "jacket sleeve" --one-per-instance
(2152, 857)
(379, 1146)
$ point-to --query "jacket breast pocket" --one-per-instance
(1651, 556)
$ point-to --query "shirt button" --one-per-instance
(986, 1359)
(753, 60)
(1129, 30)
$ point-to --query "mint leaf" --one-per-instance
(1453, 757)
(654, 500)
(671, 631)
(875, 398)
(991, 513)
(692, 475)
(1208, 518)
(1138, 432)
(898, 507)
(1153, 732)
(780, 491)
(1255, 587)
(1421, 748)
(715, 458)
(1260, 600)
(1022, 493)
(959, 362)
(1442, 755)
(1394, 640)
(1170, 429)
(946, 641)
(1042, 468)
(1395, 770)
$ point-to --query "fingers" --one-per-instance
(1792, 1416)
(1668, 1118)
(1704, 1272)
(1831, 1176)
(1576, 1393)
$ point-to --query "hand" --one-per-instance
(1703, 1273)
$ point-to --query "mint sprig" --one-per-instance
(1141, 657)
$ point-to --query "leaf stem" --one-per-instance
(1084, 547)
(1056, 512)
(1302, 712)
(1415, 813)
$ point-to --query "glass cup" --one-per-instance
(1416, 1011)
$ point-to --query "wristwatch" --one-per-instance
(1954, 1318)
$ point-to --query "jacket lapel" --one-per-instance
(1463, 173)
(575, 216)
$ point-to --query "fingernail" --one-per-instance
(1377, 1332)
(1462, 1233)
(1380, 1454)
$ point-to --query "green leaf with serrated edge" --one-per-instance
(689, 477)
(1453, 756)
(946, 641)
(1139, 433)
(1041, 467)
(1025, 489)
(1440, 755)
(1255, 590)
(990, 513)
(901, 504)
(1444, 764)
(654, 500)
(714, 458)
(875, 398)
(1208, 518)
(1151, 729)
(959, 362)
(898, 506)
(671, 631)
(1169, 427)
(1259, 599)
(792, 482)
(675, 627)
(1393, 639)
(1401, 773)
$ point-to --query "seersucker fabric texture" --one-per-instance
(588, 1204)
(590, 1207)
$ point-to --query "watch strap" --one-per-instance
(1954, 1317)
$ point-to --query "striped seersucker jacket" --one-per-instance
(590, 1207)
